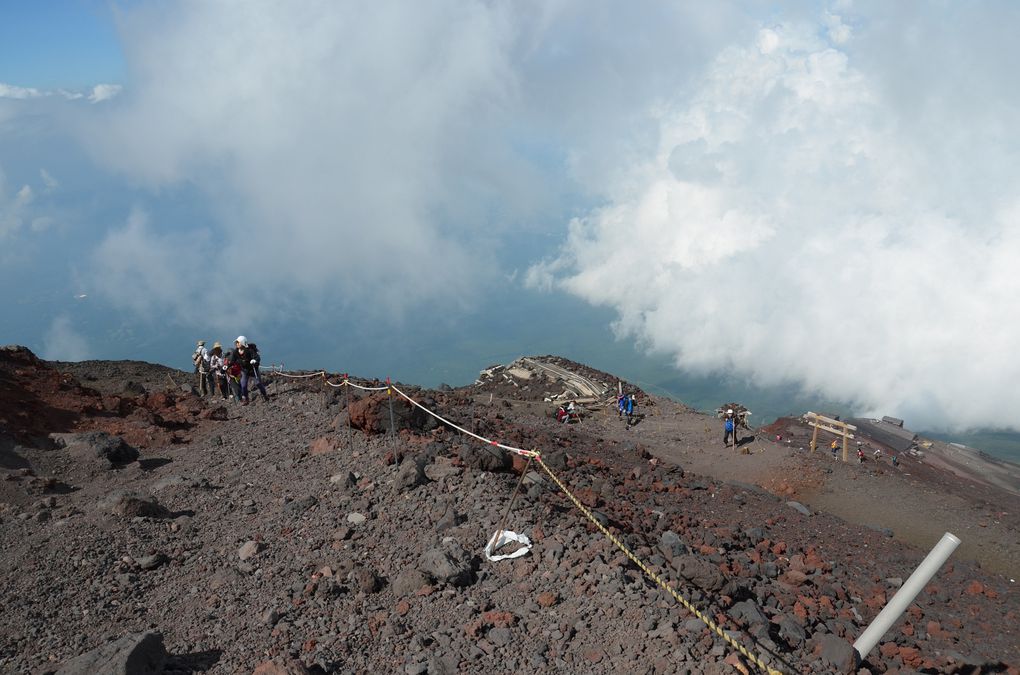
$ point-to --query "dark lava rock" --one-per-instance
(137, 654)
(835, 651)
(408, 581)
(132, 388)
(410, 475)
(701, 573)
(485, 457)
(671, 544)
(366, 580)
(448, 563)
(133, 505)
(299, 506)
(105, 446)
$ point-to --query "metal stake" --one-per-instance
(393, 426)
(350, 434)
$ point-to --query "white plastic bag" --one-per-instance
(505, 537)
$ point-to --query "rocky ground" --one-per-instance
(301, 535)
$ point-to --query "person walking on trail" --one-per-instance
(248, 359)
(729, 428)
(621, 404)
(218, 370)
(835, 448)
(628, 410)
(234, 381)
(201, 360)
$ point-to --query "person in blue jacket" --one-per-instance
(729, 428)
(628, 410)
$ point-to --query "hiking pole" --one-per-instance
(258, 381)
(506, 514)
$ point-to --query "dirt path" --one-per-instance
(918, 503)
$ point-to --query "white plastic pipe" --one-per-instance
(899, 603)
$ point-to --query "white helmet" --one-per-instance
(730, 411)
(242, 340)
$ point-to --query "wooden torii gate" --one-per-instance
(833, 427)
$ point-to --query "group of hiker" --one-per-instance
(231, 374)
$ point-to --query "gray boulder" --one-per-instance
(136, 654)
(410, 475)
(448, 563)
(408, 581)
(701, 573)
(835, 651)
(748, 613)
(134, 505)
(113, 450)
(298, 506)
(671, 544)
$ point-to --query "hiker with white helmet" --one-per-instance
(729, 428)
(246, 356)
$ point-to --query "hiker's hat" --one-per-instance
(730, 411)
(201, 342)
(217, 345)
(242, 340)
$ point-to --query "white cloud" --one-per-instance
(11, 91)
(97, 94)
(25, 208)
(795, 224)
(155, 274)
(379, 154)
(63, 342)
(13, 208)
(48, 180)
(340, 142)
(104, 92)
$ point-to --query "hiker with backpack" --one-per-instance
(628, 410)
(729, 429)
(246, 357)
(218, 370)
(201, 360)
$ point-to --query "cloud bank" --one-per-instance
(781, 192)
(798, 221)
(373, 157)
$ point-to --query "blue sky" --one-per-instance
(818, 197)
(70, 44)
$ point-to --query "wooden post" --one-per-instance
(814, 439)
(845, 444)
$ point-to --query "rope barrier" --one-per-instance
(535, 455)
(296, 377)
(509, 448)
(714, 627)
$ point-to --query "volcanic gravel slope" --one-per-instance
(276, 532)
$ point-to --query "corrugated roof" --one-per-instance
(892, 436)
